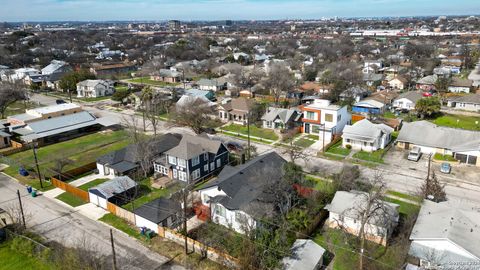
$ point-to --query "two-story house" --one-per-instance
(194, 158)
(94, 88)
(242, 195)
(235, 110)
(324, 119)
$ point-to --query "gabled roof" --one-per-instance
(158, 210)
(247, 186)
(239, 104)
(369, 103)
(366, 130)
(459, 82)
(112, 187)
(458, 222)
(92, 83)
(428, 80)
(306, 255)
(53, 66)
(192, 146)
(284, 115)
(413, 96)
(472, 98)
(207, 82)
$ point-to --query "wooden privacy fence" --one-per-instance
(78, 171)
(82, 194)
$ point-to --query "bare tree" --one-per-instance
(245, 78)
(59, 165)
(279, 80)
(293, 150)
(194, 113)
(432, 189)
(9, 94)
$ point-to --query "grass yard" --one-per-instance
(438, 156)
(407, 209)
(464, 121)
(304, 143)
(314, 137)
(389, 114)
(146, 80)
(93, 183)
(148, 193)
(82, 150)
(13, 260)
(370, 157)
(254, 131)
(70, 199)
(121, 224)
(405, 196)
(19, 108)
(338, 149)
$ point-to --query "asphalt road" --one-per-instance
(59, 223)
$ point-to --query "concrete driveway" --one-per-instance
(67, 226)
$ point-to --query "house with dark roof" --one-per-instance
(193, 159)
(235, 110)
(117, 190)
(126, 161)
(240, 196)
(459, 85)
(160, 212)
(166, 75)
(469, 102)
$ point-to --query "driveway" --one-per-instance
(56, 222)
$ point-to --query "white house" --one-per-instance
(459, 85)
(112, 190)
(280, 118)
(407, 100)
(324, 119)
(94, 88)
(446, 232)
(345, 212)
(211, 85)
(398, 83)
(306, 255)
(467, 103)
(238, 197)
(366, 136)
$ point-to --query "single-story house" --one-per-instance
(366, 136)
(94, 88)
(474, 76)
(208, 94)
(166, 75)
(117, 191)
(407, 100)
(127, 160)
(398, 82)
(427, 83)
(469, 102)
(159, 212)
(235, 110)
(459, 85)
(446, 232)
(306, 255)
(345, 212)
(463, 145)
(280, 118)
(368, 106)
(240, 196)
(211, 85)
(355, 93)
(371, 78)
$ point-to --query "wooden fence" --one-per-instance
(82, 194)
(78, 171)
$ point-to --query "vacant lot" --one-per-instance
(80, 151)
(146, 80)
(458, 121)
(12, 259)
(254, 131)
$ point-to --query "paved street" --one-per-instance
(56, 222)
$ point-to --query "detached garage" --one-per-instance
(116, 190)
(160, 212)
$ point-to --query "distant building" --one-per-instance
(94, 88)
(459, 85)
(174, 25)
(112, 69)
(166, 75)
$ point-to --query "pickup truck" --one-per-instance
(414, 154)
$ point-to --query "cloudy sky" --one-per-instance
(49, 10)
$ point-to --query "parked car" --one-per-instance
(60, 101)
(234, 146)
(445, 168)
(414, 154)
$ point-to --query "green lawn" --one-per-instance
(314, 137)
(147, 193)
(146, 80)
(70, 199)
(19, 108)
(371, 157)
(438, 156)
(338, 149)
(464, 121)
(304, 143)
(13, 260)
(254, 131)
(93, 99)
(405, 196)
(389, 114)
(121, 224)
(93, 183)
(82, 150)
(405, 208)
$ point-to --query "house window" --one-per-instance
(339, 118)
(182, 163)
(205, 156)
(219, 163)
(205, 167)
(329, 117)
(315, 129)
(196, 174)
(172, 160)
(347, 140)
(364, 143)
(310, 115)
(220, 211)
(195, 161)
(212, 166)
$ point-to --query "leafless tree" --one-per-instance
(279, 80)
(293, 150)
(14, 215)
(195, 114)
(59, 165)
(9, 94)
(432, 189)
(246, 78)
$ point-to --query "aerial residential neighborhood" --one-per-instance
(250, 135)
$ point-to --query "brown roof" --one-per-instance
(111, 66)
(460, 82)
(239, 104)
(314, 86)
(384, 96)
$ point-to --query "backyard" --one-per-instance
(254, 131)
(458, 121)
(80, 151)
(19, 107)
(75, 201)
(147, 80)
(147, 193)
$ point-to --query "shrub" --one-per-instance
(348, 146)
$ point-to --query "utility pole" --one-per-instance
(36, 163)
(113, 251)
(21, 209)
(248, 137)
(185, 218)
(429, 162)
(323, 139)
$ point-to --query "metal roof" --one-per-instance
(306, 255)
(115, 186)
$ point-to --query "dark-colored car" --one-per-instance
(60, 101)
(234, 146)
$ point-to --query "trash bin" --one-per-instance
(29, 189)
(23, 172)
(142, 231)
(34, 193)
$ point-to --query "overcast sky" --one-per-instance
(84, 10)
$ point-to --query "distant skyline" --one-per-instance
(143, 10)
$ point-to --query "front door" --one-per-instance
(307, 128)
(407, 146)
(175, 174)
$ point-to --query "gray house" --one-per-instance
(280, 118)
(160, 212)
(467, 103)
(116, 190)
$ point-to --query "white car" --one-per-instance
(414, 154)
